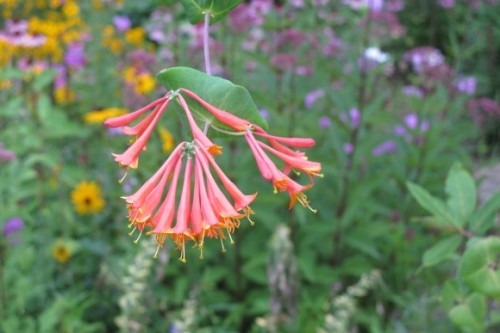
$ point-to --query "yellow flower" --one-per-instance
(145, 84)
(71, 9)
(129, 74)
(99, 116)
(5, 84)
(61, 251)
(167, 140)
(64, 95)
(87, 198)
(135, 36)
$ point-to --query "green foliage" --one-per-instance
(370, 203)
(477, 265)
(218, 9)
(217, 91)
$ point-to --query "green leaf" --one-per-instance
(479, 266)
(8, 73)
(461, 191)
(44, 79)
(441, 251)
(433, 205)
(217, 91)
(469, 316)
(196, 9)
(485, 216)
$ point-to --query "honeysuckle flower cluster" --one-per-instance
(202, 209)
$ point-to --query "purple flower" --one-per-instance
(424, 58)
(348, 148)
(400, 130)
(376, 5)
(303, 70)
(447, 3)
(75, 56)
(386, 147)
(264, 114)
(5, 154)
(411, 121)
(355, 117)
(324, 122)
(12, 226)
(395, 5)
(466, 85)
(312, 96)
(484, 109)
(122, 23)
(284, 61)
(413, 91)
(60, 80)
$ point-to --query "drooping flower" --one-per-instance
(204, 209)
(270, 172)
(86, 198)
(142, 131)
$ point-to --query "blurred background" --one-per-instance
(392, 91)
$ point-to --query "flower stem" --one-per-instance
(206, 49)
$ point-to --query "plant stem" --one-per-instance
(354, 138)
(206, 49)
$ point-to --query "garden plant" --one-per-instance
(249, 166)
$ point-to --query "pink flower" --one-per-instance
(143, 130)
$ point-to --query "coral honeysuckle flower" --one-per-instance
(292, 142)
(181, 231)
(281, 182)
(126, 119)
(130, 157)
(241, 201)
(197, 133)
(224, 117)
(204, 209)
(140, 203)
(298, 163)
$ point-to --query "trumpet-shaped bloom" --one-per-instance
(130, 157)
(203, 208)
(197, 133)
(269, 170)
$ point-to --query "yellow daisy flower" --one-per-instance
(135, 36)
(61, 251)
(145, 84)
(99, 116)
(87, 198)
(167, 140)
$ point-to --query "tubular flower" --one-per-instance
(197, 133)
(200, 208)
(142, 131)
(270, 172)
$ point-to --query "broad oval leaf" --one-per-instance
(217, 9)
(441, 251)
(461, 191)
(433, 205)
(482, 220)
(479, 267)
(217, 91)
